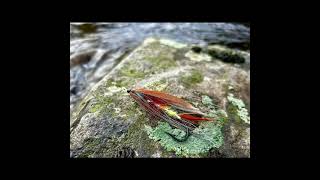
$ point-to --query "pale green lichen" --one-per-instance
(159, 56)
(207, 136)
(206, 100)
(242, 112)
(215, 112)
(162, 62)
(132, 73)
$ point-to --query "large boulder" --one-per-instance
(108, 123)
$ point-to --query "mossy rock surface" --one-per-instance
(108, 123)
(225, 54)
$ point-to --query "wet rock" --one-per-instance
(196, 49)
(240, 45)
(74, 90)
(81, 58)
(87, 28)
(108, 123)
(225, 54)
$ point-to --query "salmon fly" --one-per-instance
(177, 112)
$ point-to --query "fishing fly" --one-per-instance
(177, 112)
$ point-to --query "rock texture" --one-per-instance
(108, 123)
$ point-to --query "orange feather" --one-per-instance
(172, 100)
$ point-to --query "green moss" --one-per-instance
(124, 82)
(237, 109)
(131, 112)
(101, 103)
(162, 62)
(226, 56)
(110, 82)
(109, 148)
(112, 101)
(132, 73)
(239, 45)
(131, 109)
(95, 108)
(192, 79)
(207, 136)
(136, 138)
(92, 142)
(91, 146)
(162, 56)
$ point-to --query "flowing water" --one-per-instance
(95, 48)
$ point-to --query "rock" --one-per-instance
(108, 123)
(196, 49)
(193, 56)
(225, 54)
(240, 45)
(87, 27)
(81, 58)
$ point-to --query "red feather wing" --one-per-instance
(172, 100)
